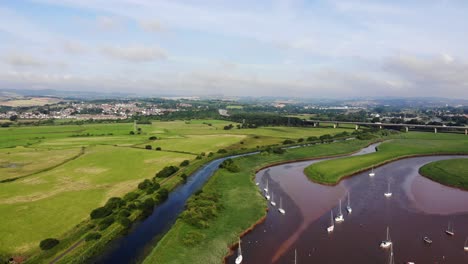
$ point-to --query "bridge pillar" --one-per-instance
(316, 124)
(406, 128)
(380, 127)
(335, 125)
(357, 127)
(435, 130)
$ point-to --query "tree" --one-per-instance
(158, 148)
(163, 194)
(144, 184)
(288, 141)
(148, 147)
(167, 171)
(100, 212)
(48, 243)
(13, 118)
(92, 236)
(132, 133)
(152, 138)
(184, 163)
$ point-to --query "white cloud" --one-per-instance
(135, 53)
(107, 23)
(74, 47)
(22, 60)
(150, 25)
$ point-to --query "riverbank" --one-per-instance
(242, 205)
(332, 171)
(452, 172)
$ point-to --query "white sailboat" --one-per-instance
(387, 242)
(266, 187)
(388, 193)
(257, 183)
(267, 195)
(339, 217)
(466, 245)
(348, 207)
(372, 173)
(239, 254)
(272, 200)
(449, 230)
(280, 209)
(332, 224)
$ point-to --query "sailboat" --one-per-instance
(391, 259)
(372, 173)
(257, 183)
(280, 209)
(427, 240)
(387, 242)
(348, 207)
(332, 224)
(266, 187)
(339, 217)
(272, 200)
(239, 254)
(466, 245)
(449, 230)
(388, 193)
(267, 195)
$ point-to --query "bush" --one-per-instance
(288, 141)
(229, 165)
(184, 177)
(152, 138)
(124, 221)
(158, 148)
(132, 133)
(131, 196)
(192, 238)
(222, 151)
(48, 243)
(326, 138)
(184, 163)
(210, 154)
(145, 184)
(92, 236)
(300, 140)
(106, 222)
(114, 203)
(149, 147)
(100, 212)
(124, 213)
(163, 194)
(167, 171)
(312, 138)
(278, 150)
(199, 157)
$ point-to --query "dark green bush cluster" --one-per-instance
(184, 163)
(192, 238)
(274, 150)
(92, 236)
(149, 186)
(202, 208)
(48, 243)
(288, 141)
(167, 171)
(152, 138)
(229, 165)
(222, 151)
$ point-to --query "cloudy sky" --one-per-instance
(315, 48)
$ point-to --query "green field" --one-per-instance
(453, 172)
(65, 171)
(242, 205)
(404, 145)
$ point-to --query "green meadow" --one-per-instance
(403, 145)
(453, 172)
(58, 174)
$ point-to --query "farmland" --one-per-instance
(53, 176)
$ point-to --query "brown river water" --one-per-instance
(418, 207)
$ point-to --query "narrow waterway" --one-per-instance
(418, 207)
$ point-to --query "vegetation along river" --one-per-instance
(417, 208)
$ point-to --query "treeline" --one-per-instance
(249, 120)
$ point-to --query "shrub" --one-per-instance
(229, 165)
(144, 184)
(152, 138)
(131, 195)
(106, 222)
(184, 163)
(312, 138)
(199, 157)
(48, 243)
(158, 148)
(221, 151)
(124, 221)
(325, 138)
(184, 177)
(149, 147)
(132, 133)
(288, 141)
(192, 238)
(124, 213)
(92, 236)
(167, 171)
(114, 203)
(278, 150)
(300, 140)
(163, 194)
(210, 154)
(100, 212)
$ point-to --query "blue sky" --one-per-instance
(316, 48)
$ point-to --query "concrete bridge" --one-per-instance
(436, 129)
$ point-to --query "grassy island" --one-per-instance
(453, 172)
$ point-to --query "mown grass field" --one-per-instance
(243, 206)
(58, 192)
(403, 145)
(453, 172)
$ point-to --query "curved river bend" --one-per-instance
(419, 207)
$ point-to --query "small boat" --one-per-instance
(239, 254)
(257, 183)
(272, 200)
(280, 209)
(332, 224)
(449, 230)
(387, 242)
(348, 207)
(427, 240)
(266, 187)
(466, 245)
(267, 196)
(388, 193)
(339, 218)
(372, 173)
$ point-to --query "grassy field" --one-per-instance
(452, 172)
(406, 144)
(34, 101)
(242, 205)
(59, 186)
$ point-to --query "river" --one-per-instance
(418, 207)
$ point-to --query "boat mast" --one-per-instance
(295, 256)
(239, 253)
(388, 234)
(349, 201)
(331, 219)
